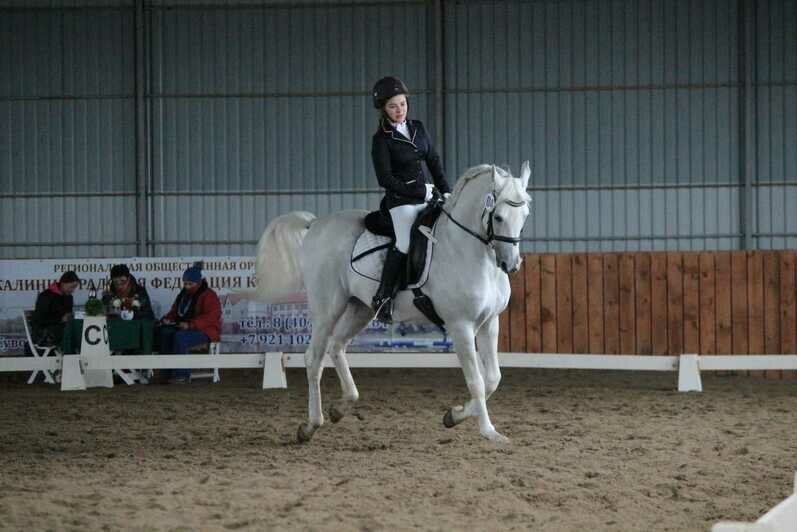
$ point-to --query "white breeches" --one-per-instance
(403, 217)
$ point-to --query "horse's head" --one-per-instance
(505, 211)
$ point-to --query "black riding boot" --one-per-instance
(383, 299)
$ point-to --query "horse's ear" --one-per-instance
(525, 174)
(498, 179)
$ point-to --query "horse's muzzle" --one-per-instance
(507, 270)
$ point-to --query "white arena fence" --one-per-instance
(74, 368)
(95, 363)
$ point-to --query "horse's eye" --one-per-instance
(499, 219)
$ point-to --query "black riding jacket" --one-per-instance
(397, 162)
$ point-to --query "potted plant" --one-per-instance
(94, 306)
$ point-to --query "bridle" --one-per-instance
(491, 236)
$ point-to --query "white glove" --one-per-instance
(429, 189)
(446, 195)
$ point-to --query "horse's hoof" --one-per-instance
(448, 419)
(336, 414)
(304, 435)
(497, 438)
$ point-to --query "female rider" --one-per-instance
(399, 145)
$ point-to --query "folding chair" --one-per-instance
(214, 349)
(40, 351)
(131, 376)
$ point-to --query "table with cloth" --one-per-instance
(135, 336)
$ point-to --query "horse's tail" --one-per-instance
(278, 269)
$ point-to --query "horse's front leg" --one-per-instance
(464, 343)
(487, 344)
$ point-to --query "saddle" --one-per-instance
(379, 222)
(369, 253)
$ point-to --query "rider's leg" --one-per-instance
(383, 299)
(403, 217)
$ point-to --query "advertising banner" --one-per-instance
(247, 326)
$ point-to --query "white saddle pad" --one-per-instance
(370, 265)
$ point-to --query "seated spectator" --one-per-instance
(194, 319)
(124, 293)
(53, 310)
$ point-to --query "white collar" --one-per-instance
(403, 128)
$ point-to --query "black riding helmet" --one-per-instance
(386, 88)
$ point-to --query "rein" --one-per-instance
(491, 236)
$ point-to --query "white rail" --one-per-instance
(274, 364)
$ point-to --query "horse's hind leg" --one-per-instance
(354, 319)
(323, 322)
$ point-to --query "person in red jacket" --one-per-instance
(194, 319)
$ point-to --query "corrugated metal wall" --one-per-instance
(776, 123)
(260, 111)
(648, 122)
(66, 134)
(627, 110)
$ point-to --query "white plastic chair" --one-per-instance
(213, 349)
(40, 351)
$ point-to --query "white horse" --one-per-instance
(477, 247)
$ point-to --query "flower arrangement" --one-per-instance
(126, 303)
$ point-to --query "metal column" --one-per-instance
(142, 229)
(439, 101)
(746, 13)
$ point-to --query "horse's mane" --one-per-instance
(471, 174)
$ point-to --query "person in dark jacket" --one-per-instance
(398, 148)
(53, 310)
(124, 293)
(194, 319)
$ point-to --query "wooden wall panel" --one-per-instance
(788, 306)
(726, 302)
(675, 302)
(533, 299)
(658, 303)
(691, 299)
(548, 299)
(595, 303)
(611, 304)
(644, 332)
(627, 305)
(517, 311)
(580, 305)
(564, 304)
(708, 311)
